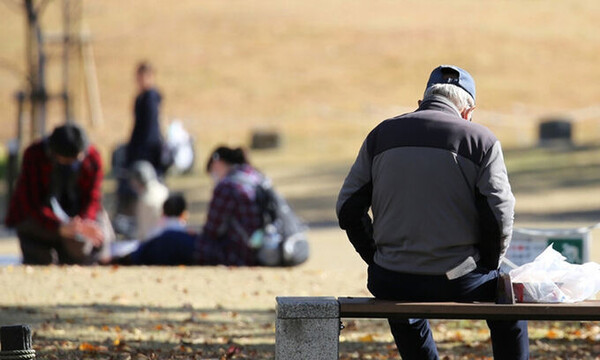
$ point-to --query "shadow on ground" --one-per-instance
(109, 331)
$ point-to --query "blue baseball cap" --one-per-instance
(450, 74)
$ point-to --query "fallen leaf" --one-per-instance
(88, 347)
(366, 338)
(458, 336)
(233, 350)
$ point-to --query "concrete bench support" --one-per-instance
(307, 328)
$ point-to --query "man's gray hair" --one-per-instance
(459, 97)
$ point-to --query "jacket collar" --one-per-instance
(439, 103)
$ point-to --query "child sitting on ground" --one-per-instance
(172, 244)
(174, 216)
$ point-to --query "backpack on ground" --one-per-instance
(281, 241)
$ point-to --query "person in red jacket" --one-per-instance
(56, 207)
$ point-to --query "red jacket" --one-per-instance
(30, 199)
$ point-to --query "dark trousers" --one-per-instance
(413, 337)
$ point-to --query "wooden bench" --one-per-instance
(362, 307)
(308, 327)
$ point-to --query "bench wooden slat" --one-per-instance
(359, 307)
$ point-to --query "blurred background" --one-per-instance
(310, 78)
(319, 75)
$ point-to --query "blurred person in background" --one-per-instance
(443, 210)
(174, 215)
(56, 207)
(233, 216)
(171, 244)
(146, 141)
(151, 194)
(233, 213)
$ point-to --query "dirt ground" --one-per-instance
(322, 73)
(223, 312)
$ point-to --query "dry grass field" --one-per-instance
(323, 73)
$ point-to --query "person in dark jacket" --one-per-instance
(56, 208)
(442, 212)
(146, 142)
(173, 244)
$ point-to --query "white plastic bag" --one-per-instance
(181, 145)
(551, 279)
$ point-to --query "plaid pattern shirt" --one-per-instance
(32, 191)
(233, 216)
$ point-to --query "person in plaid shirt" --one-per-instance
(233, 213)
(233, 216)
(56, 206)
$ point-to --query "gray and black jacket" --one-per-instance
(438, 190)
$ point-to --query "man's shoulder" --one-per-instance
(182, 233)
(36, 149)
(224, 187)
(432, 129)
(92, 162)
(93, 154)
(151, 94)
(444, 119)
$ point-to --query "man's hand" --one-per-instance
(85, 228)
(90, 230)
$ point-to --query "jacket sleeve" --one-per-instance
(353, 205)
(91, 186)
(28, 201)
(495, 204)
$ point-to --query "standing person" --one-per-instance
(146, 142)
(56, 207)
(442, 212)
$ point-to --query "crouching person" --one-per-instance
(56, 207)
